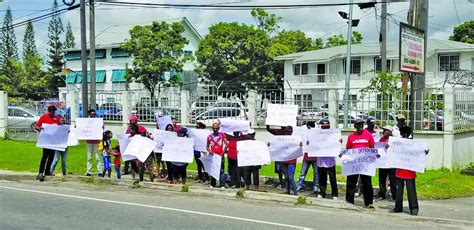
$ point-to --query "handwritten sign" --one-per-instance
(89, 128)
(384, 161)
(230, 126)
(212, 165)
(407, 154)
(252, 152)
(53, 137)
(139, 147)
(281, 115)
(359, 161)
(124, 140)
(284, 148)
(162, 137)
(179, 150)
(72, 138)
(376, 136)
(323, 142)
(162, 122)
(200, 138)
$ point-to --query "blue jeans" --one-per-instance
(289, 170)
(117, 169)
(304, 171)
(63, 156)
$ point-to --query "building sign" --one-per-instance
(412, 49)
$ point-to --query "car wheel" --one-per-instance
(32, 126)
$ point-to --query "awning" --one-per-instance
(71, 78)
(117, 53)
(99, 76)
(118, 75)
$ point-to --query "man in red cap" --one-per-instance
(133, 120)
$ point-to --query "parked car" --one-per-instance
(434, 120)
(109, 111)
(212, 115)
(21, 118)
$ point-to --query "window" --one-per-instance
(355, 66)
(321, 70)
(304, 100)
(353, 100)
(164, 101)
(378, 66)
(304, 69)
(449, 63)
(296, 69)
(118, 53)
(188, 53)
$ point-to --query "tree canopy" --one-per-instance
(464, 32)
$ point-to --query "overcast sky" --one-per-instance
(114, 21)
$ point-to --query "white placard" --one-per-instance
(281, 115)
(359, 161)
(323, 142)
(139, 147)
(212, 165)
(230, 126)
(285, 148)
(89, 128)
(179, 150)
(163, 121)
(252, 153)
(407, 154)
(53, 137)
(376, 136)
(124, 140)
(162, 137)
(200, 138)
(72, 139)
(384, 160)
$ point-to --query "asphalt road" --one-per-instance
(34, 205)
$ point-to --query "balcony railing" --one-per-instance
(317, 78)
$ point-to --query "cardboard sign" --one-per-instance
(281, 115)
(124, 140)
(162, 137)
(230, 126)
(72, 139)
(200, 138)
(212, 165)
(407, 154)
(162, 122)
(139, 147)
(89, 128)
(323, 142)
(359, 161)
(179, 150)
(53, 137)
(284, 148)
(384, 161)
(252, 153)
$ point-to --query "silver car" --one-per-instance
(21, 118)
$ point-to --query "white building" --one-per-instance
(308, 74)
(111, 63)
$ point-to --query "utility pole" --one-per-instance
(348, 67)
(85, 106)
(92, 51)
(383, 38)
(421, 23)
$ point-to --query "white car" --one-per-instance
(212, 115)
(21, 118)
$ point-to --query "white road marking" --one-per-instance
(157, 207)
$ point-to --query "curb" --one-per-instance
(203, 191)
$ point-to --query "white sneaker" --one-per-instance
(210, 186)
(335, 198)
(319, 196)
(222, 187)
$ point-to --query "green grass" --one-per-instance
(433, 184)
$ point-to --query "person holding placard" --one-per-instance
(217, 144)
(133, 121)
(386, 173)
(279, 166)
(59, 154)
(308, 162)
(371, 128)
(92, 147)
(360, 139)
(176, 127)
(401, 122)
(327, 166)
(406, 177)
(234, 170)
(107, 152)
(49, 117)
(252, 172)
(169, 166)
(203, 177)
(179, 168)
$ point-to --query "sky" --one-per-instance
(113, 22)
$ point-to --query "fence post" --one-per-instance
(3, 113)
(184, 106)
(252, 108)
(448, 126)
(125, 101)
(72, 98)
(333, 107)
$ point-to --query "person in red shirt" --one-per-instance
(92, 147)
(175, 125)
(217, 144)
(407, 177)
(360, 139)
(388, 172)
(49, 117)
(232, 166)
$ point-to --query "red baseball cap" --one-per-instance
(133, 118)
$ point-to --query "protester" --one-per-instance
(233, 168)
(203, 177)
(252, 172)
(401, 122)
(279, 166)
(179, 168)
(371, 128)
(217, 144)
(169, 166)
(385, 173)
(117, 156)
(406, 177)
(360, 139)
(92, 147)
(107, 152)
(133, 121)
(59, 154)
(49, 117)
(308, 162)
(176, 127)
(327, 166)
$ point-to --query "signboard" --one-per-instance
(89, 128)
(323, 142)
(285, 148)
(200, 138)
(161, 137)
(162, 122)
(212, 165)
(53, 137)
(281, 115)
(252, 152)
(230, 126)
(179, 150)
(139, 147)
(359, 161)
(411, 49)
(407, 154)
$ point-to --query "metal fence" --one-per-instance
(463, 109)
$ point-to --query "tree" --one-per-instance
(464, 32)
(55, 51)
(235, 53)
(156, 49)
(29, 44)
(265, 21)
(292, 41)
(9, 50)
(34, 81)
(339, 40)
(69, 42)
